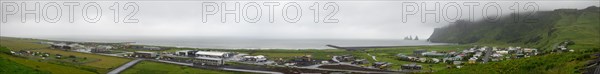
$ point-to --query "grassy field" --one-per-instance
(44, 66)
(100, 64)
(21, 44)
(11, 67)
(149, 67)
(104, 63)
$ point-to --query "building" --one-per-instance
(502, 52)
(101, 49)
(433, 54)
(76, 46)
(259, 58)
(214, 54)
(60, 46)
(151, 48)
(360, 61)
(381, 65)
(411, 67)
(473, 60)
(186, 53)
(203, 61)
(211, 58)
(419, 52)
(144, 54)
(435, 60)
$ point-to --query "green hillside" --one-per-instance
(11, 67)
(550, 27)
(543, 30)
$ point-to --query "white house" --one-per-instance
(502, 52)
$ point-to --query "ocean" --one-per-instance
(249, 43)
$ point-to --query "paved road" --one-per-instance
(597, 70)
(125, 66)
(253, 71)
(316, 67)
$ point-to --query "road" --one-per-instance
(125, 66)
(316, 67)
(253, 71)
(597, 70)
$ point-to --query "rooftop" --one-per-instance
(208, 58)
(211, 53)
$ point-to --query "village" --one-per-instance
(222, 60)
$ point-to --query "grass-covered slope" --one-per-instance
(543, 30)
(11, 67)
(579, 26)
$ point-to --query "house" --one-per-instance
(473, 60)
(502, 52)
(433, 54)
(435, 60)
(496, 55)
(478, 54)
(346, 58)
(530, 51)
(412, 66)
(76, 46)
(422, 59)
(144, 54)
(381, 65)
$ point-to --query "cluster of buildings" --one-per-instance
(42, 55)
(477, 54)
(350, 58)
(356, 61)
(210, 58)
(71, 46)
(143, 47)
(562, 46)
(305, 60)
(200, 58)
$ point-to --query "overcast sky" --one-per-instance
(357, 20)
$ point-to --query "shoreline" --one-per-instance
(324, 47)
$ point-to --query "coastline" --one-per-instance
(308, 44)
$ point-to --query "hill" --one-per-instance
(550, 28)
(543, 30)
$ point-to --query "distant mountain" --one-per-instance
(542, 30)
